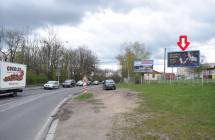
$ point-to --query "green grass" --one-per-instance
(84, 96)
(182, 112)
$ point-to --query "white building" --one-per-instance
(209, 73)
(155, 75)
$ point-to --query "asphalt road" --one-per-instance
(22, 117)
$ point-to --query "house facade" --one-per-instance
(209, 73)
(155, 75)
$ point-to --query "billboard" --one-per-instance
(183, 59)
(143, 66)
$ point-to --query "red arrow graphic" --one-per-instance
(183, 44)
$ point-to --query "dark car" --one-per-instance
(109, 84)
(89, 83)
(69, 83)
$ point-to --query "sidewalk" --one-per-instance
(93, 119)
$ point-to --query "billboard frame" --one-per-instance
(151, 66)
(199, 59)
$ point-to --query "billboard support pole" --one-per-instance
(164, 76)
(171, 76)
(142, 76)
(128, 76)
(202, 80)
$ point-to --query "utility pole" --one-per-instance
(164, 64)
(128, 72)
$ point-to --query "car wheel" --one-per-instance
(14, 94)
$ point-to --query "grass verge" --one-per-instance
(180, 112)
(84, 96)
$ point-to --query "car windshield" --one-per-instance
(109, 81)
(51, 82)
(67, 81)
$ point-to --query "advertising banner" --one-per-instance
(12, 75)
(184, 59)
(143, 66)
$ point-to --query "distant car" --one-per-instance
(69, 83)
(95, 82)
(109, 84)
(79, 83)
(89, 83)
(52, 85)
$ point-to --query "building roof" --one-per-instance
(155, 72)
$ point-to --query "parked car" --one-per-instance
(79, 83)
(102, 82)
(52, 85)
(89, 83)
(109, 84)
(69, 83)
(95, 82)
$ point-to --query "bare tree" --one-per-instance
(79, 62)
(2, 53)
(1, 37)
(44, 56)
(51, 52)
(13, 40)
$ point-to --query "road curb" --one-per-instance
(52, 130)
(48, 124)
(50, 133)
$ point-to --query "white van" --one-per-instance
(12, 78)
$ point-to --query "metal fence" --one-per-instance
(200, 82)
(195, 81)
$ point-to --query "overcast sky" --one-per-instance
(104, 25)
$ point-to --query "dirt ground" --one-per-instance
(94, 118)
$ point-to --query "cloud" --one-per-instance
(104, 25)
(37, 13)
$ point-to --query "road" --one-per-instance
(22, 117)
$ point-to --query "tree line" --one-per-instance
(130, 52)
(46, 57)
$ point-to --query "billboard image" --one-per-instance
(12, 75)
(183, 59)
(143, 66)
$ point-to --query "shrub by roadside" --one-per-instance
(34, 79)
(84, 96)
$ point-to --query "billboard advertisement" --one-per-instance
(183, 59)
(143, 66)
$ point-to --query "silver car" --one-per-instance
(52, 85)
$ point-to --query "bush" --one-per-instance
(34, 79)
(84, 96)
